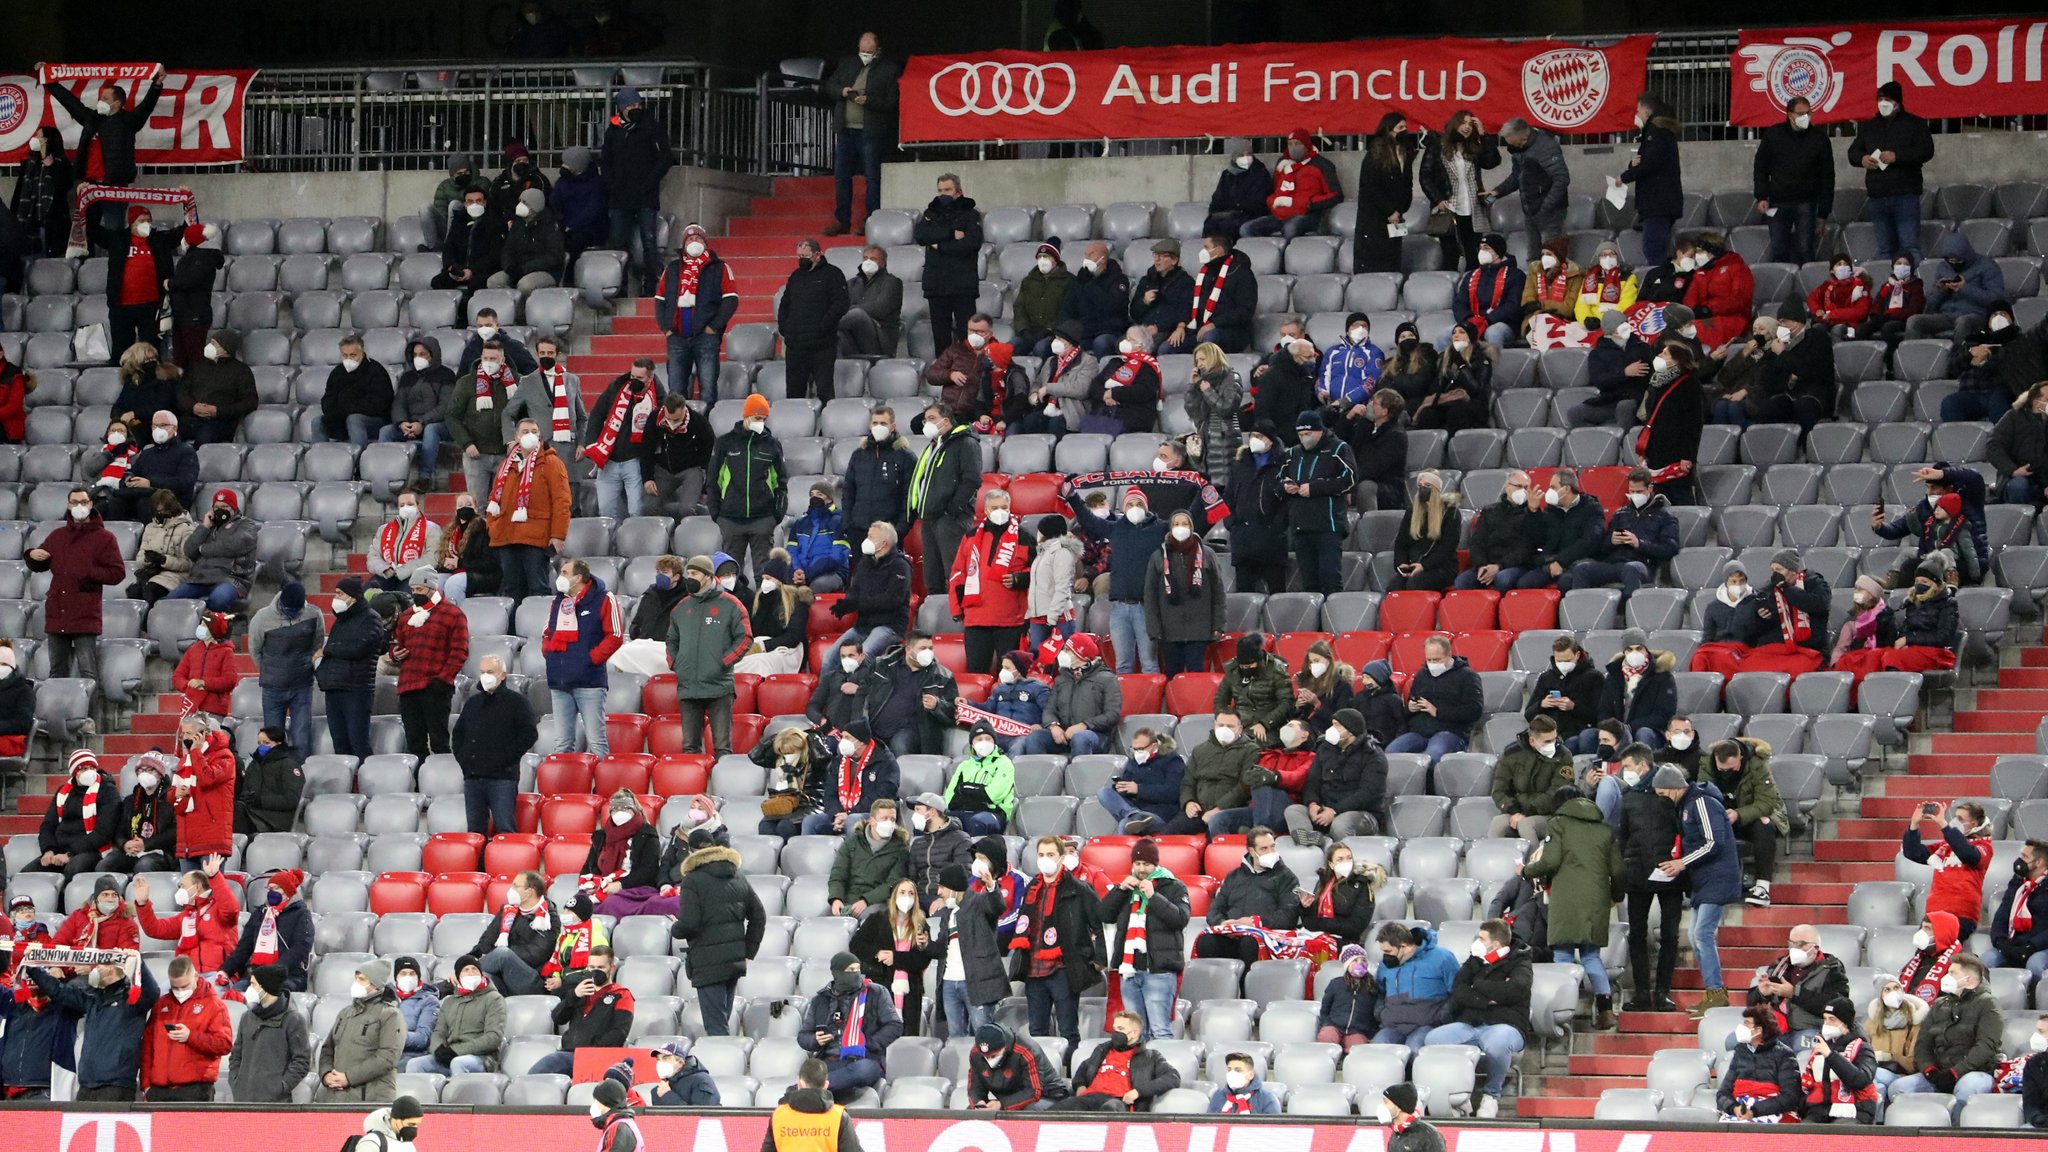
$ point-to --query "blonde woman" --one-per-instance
(781, 617)
(147, 388)
(1426, 551)
(798, 761)
(894, 947)
(1213, 403)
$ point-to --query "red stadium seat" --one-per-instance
(823, 652)
(1608, 483)
(658, 695)
(783, 695)
(951, 648)
(975, 686)
(1409, 611)
(399, 892)
(1183, 859)
(744, 686)
(561, 773)
(1036, 494)
(1406, 654)
(1223, 856)
(1472, 610)
(630, 771)
(1189, 694)
(1361, 648)
(626, 731)
(682, 774)
(746, 732)
(1293, 646)
(991, 482)
(665, 736)
(1222, 653)
(1201, 890)
(1112, 854)
(456, 892)
(1484, 651)
(451, 852)
(1142, 692)
(560, 815)
(1529, 608)
(564, 855)
(498, 892)
(513, 852)
(822, 623)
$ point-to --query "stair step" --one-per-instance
(809, 185)
(1562, 1107)
(789, 228)
(1580, 1087)
(1955, 763)
(1794, 893)
(792, 205)
(645, 326)
(154, 723)
(1855, 850)
(1669, 1023)
(1981, 742)
(1605, 1064)
(782, 244)
(32, 804)
(1939, 787)
(1783, 913)
(123, 744)
(18, 825)
(2020, 699)
(1893, 808)
(2000, 721)
(2030, 675)
(1867, 828)
(1633, 1044)
(2034, 656)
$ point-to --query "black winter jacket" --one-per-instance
(267, 795)
(1504, 534)
(1100, 300)
(1659, 188)
(1024, 1075)
(1166, 916)
(111, 1055)
(1656, 696)
(1566, 536)
(295, 943)
(950, 262)
(1649, 828)
(1385, 711)
(721, 917)
(1656, 531)
(981, 947)
(115, 134)
(366, 391)
(1538, 170)
(1349, 779)
(1330, 472)
(878, 594)
(354, 643)
(1256, 503)
(1152, 1076)
(827, 1013)
(749, 480)
(1350, 1006)
(191, 293)
(1812, 597)
(636, 157)
(1772, 1064)
(813, 301)
(1176, 288)
(475, 243)
(954, 483)
(1901, 133)
(1485, 994)
(1268, 895)
(533, 944)
(933, 852)
(1794, 166)
(1352, 907)
(876, 487)
(1242, 191)
(493, 734)
(600, 1021)
(1459, 697)
(1584, 687)
(1936, 622)
(63, 827)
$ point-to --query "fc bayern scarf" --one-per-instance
(1603, 284)
(1500, 287)
(853, 1037)
(527, 463)
(403, 543)
(1924, 970)
(119, 457)
(1205, 302)
(558, 403)
(566, 630)
(1155, 485)
(1004, 556)
(1127, 372)
(628, 414)
(512, 913)
(484, 380)
(1135, 941)
(851, 769)
(1794, 626)
(265, 951)
(89, 805)
(2022, 920)
(967, 716)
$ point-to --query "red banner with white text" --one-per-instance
(46, 1129)
(1946, 69)
(1270, 89)
(197, 118)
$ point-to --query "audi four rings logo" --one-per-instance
(991, 88)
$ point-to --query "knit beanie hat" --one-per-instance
(1351, 720)
(1403, 1097)
(1669, 776)
(270, 977)
(755, 408)
(1146, 850)
(291, 599)
(1788, 559)
(406, 1108)
(954, 878)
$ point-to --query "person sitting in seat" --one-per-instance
(1762, 1080)
(1489, 297)
(1145, 796)
(1640, 538)
(850, 1025)
(1957, 1051)
(1124, 1075)
(1527, 777)
(1242, 1092)
(1839, 1073)
(1445, 700)
(1010, 1073)
(1503, 539)
(1800, 987)
(1638, 691)
(1490, 1008)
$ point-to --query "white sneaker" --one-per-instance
(1489, 1107)
(1759, 894)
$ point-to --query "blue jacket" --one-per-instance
(1706, 847)
(600, 629)
(1418, 994)
(1130, 546)
(420, 1010)
(717, 300)
(1349, 1008)
(1023, 701)
(36, 1040)
(1263, 1103)
(817, 544)
(1983, 284)
(1656, 532)
(1482, 283)
(2016, 948)
(1350, 372)
(1158, 781)
(579, 202)
(112, 1054)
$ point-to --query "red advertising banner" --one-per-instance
(1270, 89)
(490, 1130)
(197, 119)
(1948, 69)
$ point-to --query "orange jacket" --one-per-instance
(547, 505)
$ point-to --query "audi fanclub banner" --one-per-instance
(1958, 68)
(180, 1130)
(1270, 89)
(197, 119)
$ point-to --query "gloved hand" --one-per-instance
(444, 1056)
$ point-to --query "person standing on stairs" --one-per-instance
(862, 89)
(1961, 858)
(950, 232)
(1707, 864)
(203, 789)
(616, 442)
(694, 304)
(206, 673)
(83, 560)
(430, 645)
(528, 512)
(636, 156)
(814, 301)
(477, 402)
(1741, 769)
(551, 396)
(749, 492)
(1582, 868)
(584, 627)
(283, 637)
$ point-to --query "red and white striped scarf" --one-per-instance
(2022, 920)
(558, 402)
(403, 543)
(484, 380)
(118, 460)
(687, 270)
(850, 772)
(1005, 550)
(1204, 305)
(1554, 286)
(567, 629)
(1794, 626)
(512, 913)
(188, 924)
(266, 950)
(526, 462)
(89, 808)
(1061, 364)
(628, 414)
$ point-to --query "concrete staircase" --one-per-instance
(1856, 841)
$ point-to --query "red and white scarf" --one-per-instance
(1603, 284)
(572, 947)
(185, 785)
(624, 409)
(266, 949)
(512, 913)
(188, 924)
(558, 402)
(899, 976)
(687, 271)
(1204, 305)
(1922, 973)
(526, 462)
(1127, 372)
(1554, 286)
(118, 460)
(2022, 920)
(484, 380)
(1238, 1102)
(1500, 286)
(567, 630)
(1794, 626)
(402, 543)
(1062, 363)
(1005, 549)
(853, 1037)
(89, 807)
(850, 772)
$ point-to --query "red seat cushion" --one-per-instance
(658, 695)
(1143, 692)
(626, 731)
(570, 814)
(1468, 610)
(456, 892)
(1361, 648)
(399, 892)
(1190, 694)
(1528, 609)
(682, 774)
(513, 852)
(451, 852)
(1407, 611)
(631, 772)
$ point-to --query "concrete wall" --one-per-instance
(1979, 157)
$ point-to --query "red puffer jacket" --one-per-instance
(83, 558)
(214, 922)
(86, 928)
(213, 665)
(167, 1063)
(204, 791)
(1840, 301)
(1721, 297)
(989, 562)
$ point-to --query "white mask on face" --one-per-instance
(728, 582)
(1481, 947)
(1951, 985)
(905, 903)
(848, 746)
(1802, 121)
(1358, 334)
(883, 830)
(1679, 740)
(1702, 258)
(1385, 1113)
(1091, 266)
(1690, 331)
(1519, 497)
(882, 433)
(1126, 347)
(202, 634)
(361, 991)
(1438, 667)
(757, 426)
(1243, 163)
(983, 749)
(1799, 957)
(1180, 531)
(80, 511)
(1894, 998)
(1902, 271)
(1922, 940)
(1237, 1080)
(867, 547)
(925, 657)
(1135, 513)
(1068, 660)
(1549, 261)
(408, 512)
(1486, 256)
(522, 211)
(1639, 499)
(976, 340)
(420, 363)
(1316, 668)
(622, 817)
(143, 229)
(475, 211)
(213, 352)
(1635, 660)
(1461, 346)
(1259, 445)
(408, 983)
(148, 780)
(489, 681)
(1886, 107)
(1547, 750)
(1226, 736)
(918, 822)
(1844, 272)
(562, 585)
(1007, 676)
(529, 441)
(1686, 264)
(1610, 263)
(598, 1111)
(1333, 735)
(999, 516)
(183, 994)
(1552, 498)
(1564, 667)
(2038, 1042)
(1045, 265)
(1269, 860)
(35, 145)
(2000, 322)
(1631, 778)
(1783, 333)
(869, 267)
(1048, 865)
(694, 248)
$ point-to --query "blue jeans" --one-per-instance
(1970, 1084)
(1503, 580)
(816, 824)
(462, 1064)
(554, 1064)
(1183, 656)
(1049, 1002)
(219, 597)
(1589, 959)
(2022, 490)
(1501, 1043)
(1086, 742)
(697, 353)
(981, 823)
(857, 150)
(2036, 966)
(962, 1017)
(431, 436)
(292, 710)
(1792, 230)
(1706, 942)
(1976, 404)
(1897, 220)
(1269, 807)
(1600, 574)
(629, 225)
(1151, 995)
(873, 642)
(618, 489)
(580, 707)
(348, 721)
(488, 802)
(1113, 802)
(1657, 238)
(1134, 649)
(843, 1075)
(1437, 746)
(1731, 412)
(1414, 1038)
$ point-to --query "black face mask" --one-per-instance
(1391, 959)
(409, 1133)
(222, 516)
(465, 515)
(547, 363)
(846, 983)
(1120, 1041)
(1408, 343)
(2021, 870)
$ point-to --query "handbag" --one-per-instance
(1441, 222)
(780, 804)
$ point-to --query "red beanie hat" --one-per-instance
(227, 496)
(195, 234)
(1951, 503)
(1084, 646)
(288, 881)
(137, 212)
(217, 624)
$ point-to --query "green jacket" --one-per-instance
(995, 774)
(1524, 782)
(707, 635)
(468, 424)
(1039, 297)
(1582, 865)
(1265, 696)
(1752, 792)
(472, 1023)
(864, 870)
(1216, 774)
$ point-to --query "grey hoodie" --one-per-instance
(422, 396)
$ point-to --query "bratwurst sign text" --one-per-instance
(1270, 89)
